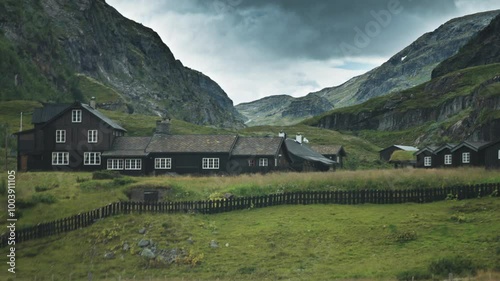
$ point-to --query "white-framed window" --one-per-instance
(92, 136)
(466, 157)
(447, 159)
(499, 154)
(427, 161)
(60, 136)
(91, 158)
(251, 162)
(76, 116)
(60, 158)
(115, 164)
(163, 163)
(263, 162)
(210, 163)
(133, 164)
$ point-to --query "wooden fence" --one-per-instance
(349, 197)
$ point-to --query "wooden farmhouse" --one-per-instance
(333, 152)
(78, 137)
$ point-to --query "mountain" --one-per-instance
(408, 68)
(463, 103)
(60, 50)
(282, 109)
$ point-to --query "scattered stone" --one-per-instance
(227, 244)
(214, 244)
(143, 243)
(170, 256)
(109, 255)
(126, 247)
(190, 240)
(147, 253)
(142, 230)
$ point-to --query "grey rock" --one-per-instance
(142, 230)
(147, 253)
(143, 243)
(109, 255)
(126, 246)
(190, 240)
(214, 244)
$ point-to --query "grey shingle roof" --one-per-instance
(191, 143)
(103, 117)
(128, 146)
(257, 146)
(445, 146)
(47, 112)
(305, 152)
(472, 145)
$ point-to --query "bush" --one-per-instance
(41, 188)
(414, 274)
(122, 181)
(457, 265)
(44, 198)
(24, 203)
(105, 175)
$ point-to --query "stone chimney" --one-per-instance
(163, 127)
(282, 134)
(92, 103)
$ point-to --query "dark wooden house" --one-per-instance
(333, 152)
(492, 155)
(468, 154)
(426, 157)
(66, 136)
(258, 155)
(385, 154)
(403, 159)
(304, 158)
(443, 156)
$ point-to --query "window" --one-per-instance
(210, 163)
(251, 162)
(60, 136)
(499, 154)
(163, 163)
(92, 136)
(92, 158)
(115, 164)
(133, 164)
(76, 116)
(60, 158)
(466, 157)
(263, 162)
(427, 161)
(447, 159)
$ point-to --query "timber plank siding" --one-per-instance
(492, 155)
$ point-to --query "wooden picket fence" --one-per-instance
(349, 197)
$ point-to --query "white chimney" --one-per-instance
(282, 134)
(92, 103)
(298, 138)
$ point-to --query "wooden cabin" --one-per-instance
(468, 154)
(385, 154)
(492, 155)
(426, 157)
(443, 156)
(333, 152)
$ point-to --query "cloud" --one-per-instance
(256, 48)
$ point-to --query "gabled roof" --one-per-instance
(304, 152)
(329, 149)
(449, 146)
(476, 146)
(47, 112)
(431, 149)
(51, 112)
(128, 146)
(402, 147)
(191, 143)
(103, 117)
(257, 146)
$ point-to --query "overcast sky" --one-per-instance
(258, 48)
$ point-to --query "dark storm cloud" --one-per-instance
(318, 29)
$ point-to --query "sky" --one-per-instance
(258, 48)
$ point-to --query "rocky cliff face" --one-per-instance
(410, 67)
(282, 109)
(91, 38)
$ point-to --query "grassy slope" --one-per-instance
(318, 242)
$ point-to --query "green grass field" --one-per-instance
(315, 242)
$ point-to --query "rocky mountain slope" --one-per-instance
(49, 47)
(408, 68)
(463, 104)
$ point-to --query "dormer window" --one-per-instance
(76, 116)
(92, 136)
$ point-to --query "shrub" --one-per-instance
(25, 203)
(105, 175)
(41, 188)
(122, 181)
(457, 265)
(44, 198)
(414, 274)
(80, 180)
